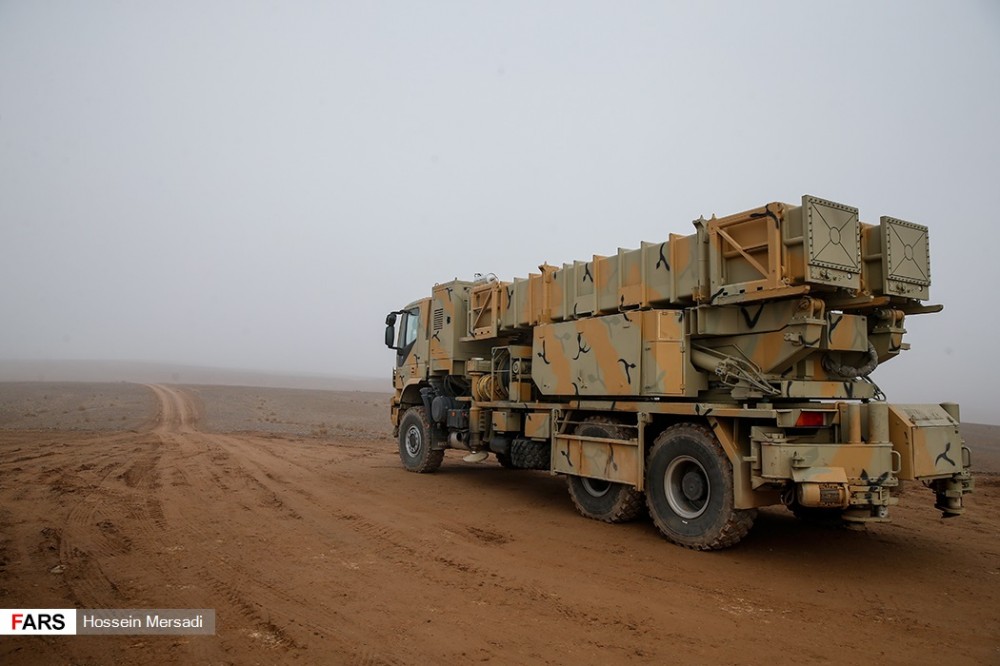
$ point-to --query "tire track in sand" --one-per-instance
(215, 502)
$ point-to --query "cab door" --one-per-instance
(412, 345)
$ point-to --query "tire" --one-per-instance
(504, 460)
(415, 442)
(689, 490)
(604, 500)
(526, 454)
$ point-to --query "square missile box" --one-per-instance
(833, 243)
(906, 259)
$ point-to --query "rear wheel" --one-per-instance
(604, 500)
(415, 442)
(689, 490)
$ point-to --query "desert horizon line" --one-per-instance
(188, 365)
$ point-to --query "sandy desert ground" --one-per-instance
(288, 513)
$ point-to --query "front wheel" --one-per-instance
(689, 490)
(415, 442)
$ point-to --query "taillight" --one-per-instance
(810, 420)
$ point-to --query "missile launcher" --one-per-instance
(699, 377)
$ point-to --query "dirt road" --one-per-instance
(322, 550)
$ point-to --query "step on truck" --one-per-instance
(697, 378)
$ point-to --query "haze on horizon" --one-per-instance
(254, 185)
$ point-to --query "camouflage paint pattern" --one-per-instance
(625, 354)
(823, 462)
(594, 356)
(746, 324)
(598, 458)
(774, 251)
(538, 425)
(928, 441)
(666, 368)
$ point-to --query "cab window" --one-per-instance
(408, 329)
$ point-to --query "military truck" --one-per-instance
(698, 378)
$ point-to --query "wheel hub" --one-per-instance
(595, 487)
(693, 485)
(412, 441)
(687, 487)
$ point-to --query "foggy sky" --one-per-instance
(255, 184)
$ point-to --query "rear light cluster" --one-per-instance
(811, 420)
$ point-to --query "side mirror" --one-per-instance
(390, 319)
(390, 333)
